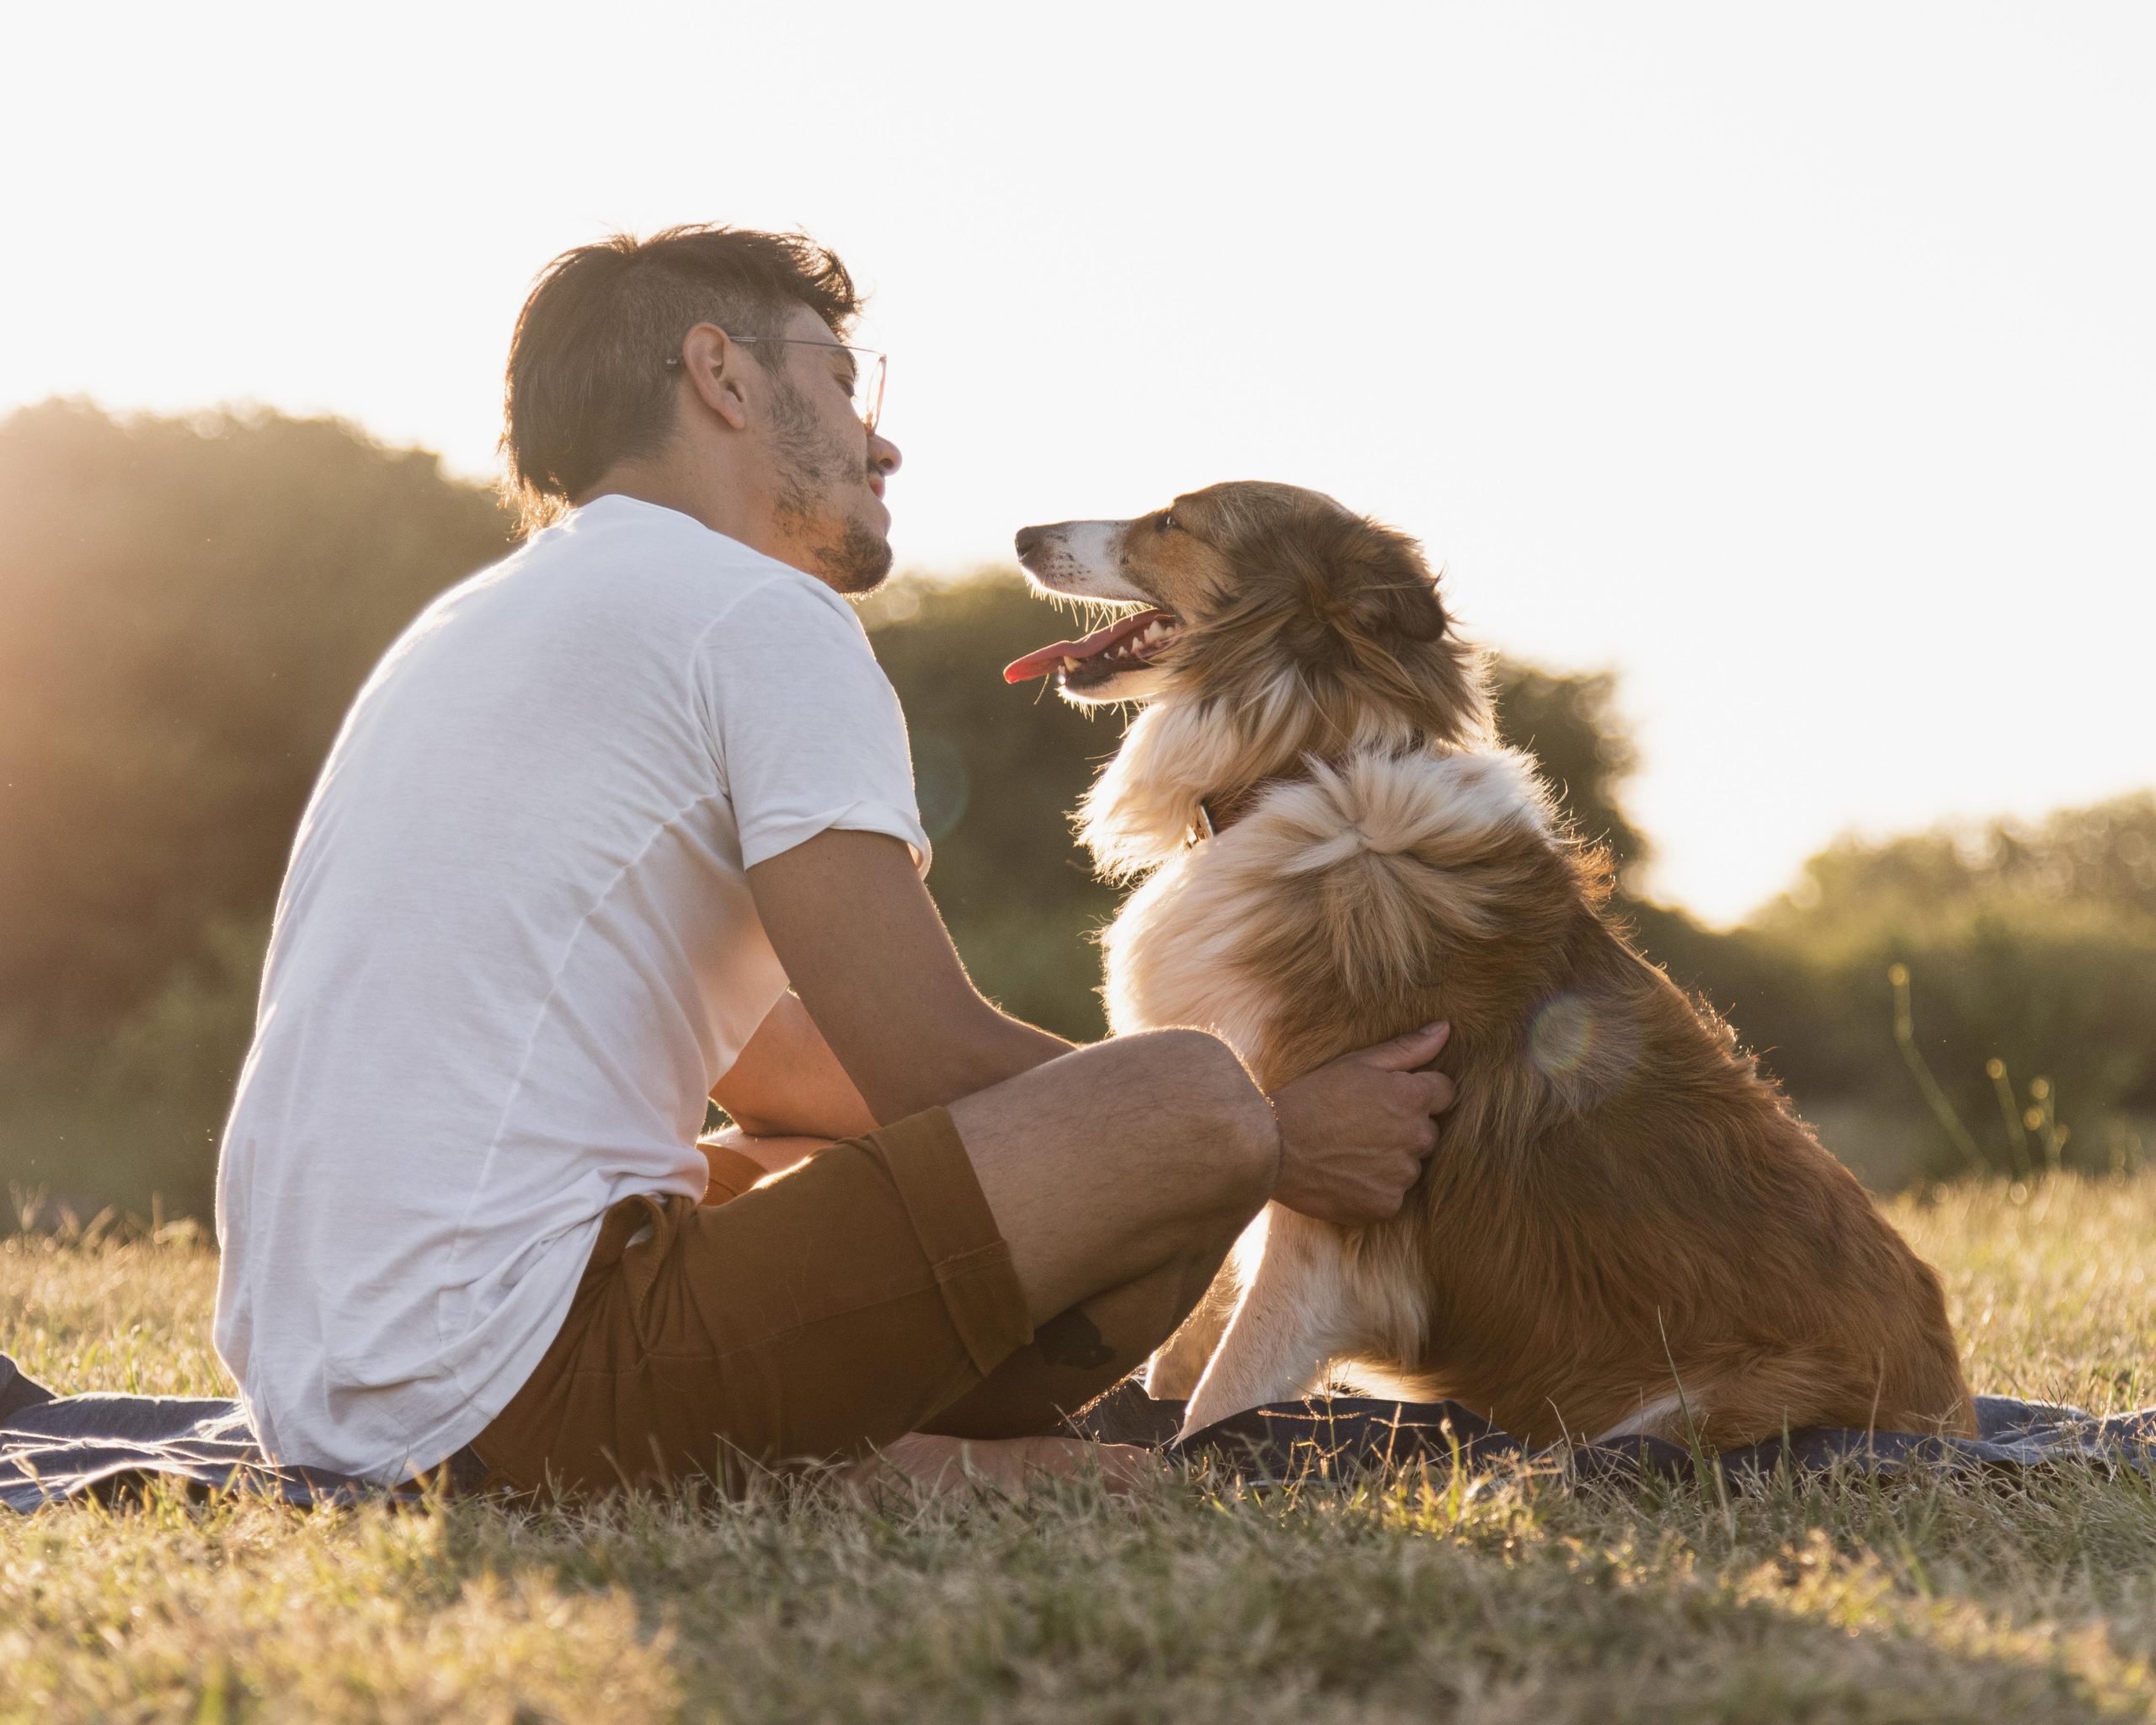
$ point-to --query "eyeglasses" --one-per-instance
(869, 369)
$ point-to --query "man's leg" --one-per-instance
(1151, 1151)
(1078, 1356)
(1120, 1161)
(878, 1287)
(1026, 1140)
(1071, 1360)
(1141, 1159)
(1119, 1170)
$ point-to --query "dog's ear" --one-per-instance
(1392, 592)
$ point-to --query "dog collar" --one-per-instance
(1221, 810)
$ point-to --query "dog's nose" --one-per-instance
(1027, 541)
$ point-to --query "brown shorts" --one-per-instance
(854, 1298)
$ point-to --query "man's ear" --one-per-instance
(713, 364)
(1394, 593)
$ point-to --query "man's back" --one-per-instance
(513, 952)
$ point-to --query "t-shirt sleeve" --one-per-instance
(806, 727)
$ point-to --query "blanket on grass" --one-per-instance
(54, 1447)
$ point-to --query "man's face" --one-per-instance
(827, 470)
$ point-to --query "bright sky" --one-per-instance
(1796, 363)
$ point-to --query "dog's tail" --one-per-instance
(1410, 856)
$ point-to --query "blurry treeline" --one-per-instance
(187, 605)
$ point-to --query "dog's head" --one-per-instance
(1248, 597)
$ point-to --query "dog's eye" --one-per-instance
(1166, 522)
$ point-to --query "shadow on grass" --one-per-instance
(1518, 1597)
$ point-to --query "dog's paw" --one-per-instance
(1172, 1378)
(1210, 1408)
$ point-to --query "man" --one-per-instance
(627, 820)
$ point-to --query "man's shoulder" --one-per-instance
(617, 563)
(624, 539)
(626, 536)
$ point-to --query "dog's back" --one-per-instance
(1625, 1228)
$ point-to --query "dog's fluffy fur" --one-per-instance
(1624, 1229)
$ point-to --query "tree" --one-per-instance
(186, 608)
(1569, 723)
(2031, 945)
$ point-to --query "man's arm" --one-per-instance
(855, 930)
(787, 1082)
(871, 960)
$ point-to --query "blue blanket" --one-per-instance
(1341, 1435)
(53, 1448)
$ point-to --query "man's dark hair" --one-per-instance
(587, 383)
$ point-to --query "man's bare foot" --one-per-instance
(941, 1464)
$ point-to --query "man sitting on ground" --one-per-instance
(627, 821)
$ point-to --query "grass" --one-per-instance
(1516, 1597)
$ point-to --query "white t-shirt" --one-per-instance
(514, 950)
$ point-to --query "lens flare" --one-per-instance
(1585, 1051)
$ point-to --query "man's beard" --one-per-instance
(859, 562)
(859, 558)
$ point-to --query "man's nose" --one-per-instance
(1028, 540)
(884, 457)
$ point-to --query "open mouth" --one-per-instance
(1125, 644)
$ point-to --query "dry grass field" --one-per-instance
(1429, 1596)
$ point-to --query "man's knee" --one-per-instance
(1219, 1124)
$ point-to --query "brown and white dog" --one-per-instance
(1624, 1230)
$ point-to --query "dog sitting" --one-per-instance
(1624, 1230)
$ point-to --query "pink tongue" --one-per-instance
(1041, 661)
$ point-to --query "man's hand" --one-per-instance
(1354, 1133)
